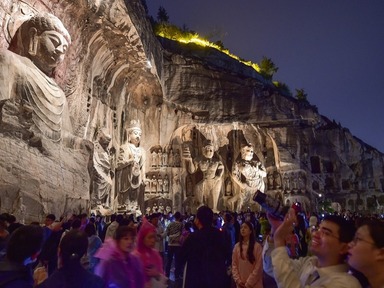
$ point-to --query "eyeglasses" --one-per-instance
(357, 239)
(324, 232)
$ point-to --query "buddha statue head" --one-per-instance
(44, 40)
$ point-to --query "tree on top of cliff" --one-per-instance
(301, 95)
(162, 15)
(267, 68)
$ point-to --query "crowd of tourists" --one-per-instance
(194, 251)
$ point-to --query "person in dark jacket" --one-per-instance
(206, 254)
(71, 274)
(23, 248)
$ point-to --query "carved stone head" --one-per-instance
(208, 149)
(247, 152)
(43, 39)
(134, 132)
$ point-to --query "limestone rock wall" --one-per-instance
(305, 153)
(116, 71)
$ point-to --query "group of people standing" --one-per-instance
(206, 254)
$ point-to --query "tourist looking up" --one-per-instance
(329, 246)
(366, 252)
(247, 267)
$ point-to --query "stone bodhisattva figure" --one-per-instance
(207, 191)
(102, 172)
(249, 174)
(27, 68)
(130, 171)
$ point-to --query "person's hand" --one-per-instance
(274, 221)
(285, 228)
(242, 285)
(151, 271)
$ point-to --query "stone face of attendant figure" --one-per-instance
(249, 174)
(130, 171)
(207, 191)
(27, 68)
(102, 175)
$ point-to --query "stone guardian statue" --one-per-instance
(102, 174)
(249, 174)
(207, 191)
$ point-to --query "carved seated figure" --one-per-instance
(27, 68)
(249, 174)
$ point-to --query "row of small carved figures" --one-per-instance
(164, 159)
(156, 192)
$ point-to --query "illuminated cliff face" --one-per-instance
(117, 71)
(174, 33)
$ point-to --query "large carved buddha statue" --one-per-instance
(27, 68)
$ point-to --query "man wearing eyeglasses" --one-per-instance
(329, 246)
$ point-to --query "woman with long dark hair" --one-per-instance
(247, 267)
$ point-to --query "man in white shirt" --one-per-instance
(329, 245)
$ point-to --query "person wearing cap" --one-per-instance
(207, 191)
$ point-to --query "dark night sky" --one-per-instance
(333, 49)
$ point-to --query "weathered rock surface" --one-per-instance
(116, 71)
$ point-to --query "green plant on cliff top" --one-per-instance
(172, 32)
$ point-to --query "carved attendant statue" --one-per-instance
(37, 48)
(249, 174)
(207, 191)
(130, 171)
(102, 174)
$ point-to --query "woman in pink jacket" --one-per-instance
(118, 266)
(150, 257)
(247, 265)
